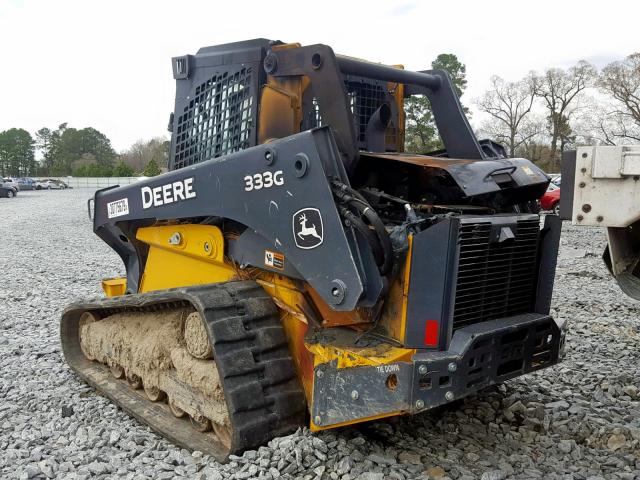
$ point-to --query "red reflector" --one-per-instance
(431, 330)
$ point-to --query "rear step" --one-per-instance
(261, 389)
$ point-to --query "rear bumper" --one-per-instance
(479, 355)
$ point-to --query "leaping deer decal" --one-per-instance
(304, 230)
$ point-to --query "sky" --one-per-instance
(107, 64)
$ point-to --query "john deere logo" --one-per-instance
(307, 228)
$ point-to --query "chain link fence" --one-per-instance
(97, 182)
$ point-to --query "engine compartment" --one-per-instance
(439, 186)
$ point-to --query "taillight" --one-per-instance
(431, 331)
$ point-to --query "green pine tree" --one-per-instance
(152, 169)
(421, 133)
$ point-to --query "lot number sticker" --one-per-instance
(118, 208)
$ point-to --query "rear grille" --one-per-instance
(495, 279)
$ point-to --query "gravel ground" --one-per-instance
(579, 420)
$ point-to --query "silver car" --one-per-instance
(10, 182)
(50, 184)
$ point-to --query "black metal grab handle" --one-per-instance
(326, 70)
(377, 71)
(89, 210)
(452, 123)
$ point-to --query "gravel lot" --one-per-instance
(579, 420)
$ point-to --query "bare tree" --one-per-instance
(142, 152)
(536, 146)
(530, 129)
(594, 122)
(621, 80)
(508, 103)
(559, 89)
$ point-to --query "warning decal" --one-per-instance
(274, 259)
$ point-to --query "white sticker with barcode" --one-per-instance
(118, 208)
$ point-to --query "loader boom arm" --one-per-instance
(263, 188)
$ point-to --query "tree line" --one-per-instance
(543, 114)
(84, 152)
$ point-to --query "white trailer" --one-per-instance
(601, 187)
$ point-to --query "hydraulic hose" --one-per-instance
(381, 233)
(354, 221)
(382, 243)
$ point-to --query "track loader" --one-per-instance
(295, 267)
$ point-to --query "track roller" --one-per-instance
(200, 423)
(134, 381)
(176, 410)
(117, 371)
(224, 434)
(154, 393)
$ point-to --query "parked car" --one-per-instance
(42, 184)
(556, 180)
(26, 183)
(550, 201)
(50, 184)
(10, 182)
(7, 192)
(60, 184)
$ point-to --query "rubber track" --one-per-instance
(258, 376)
